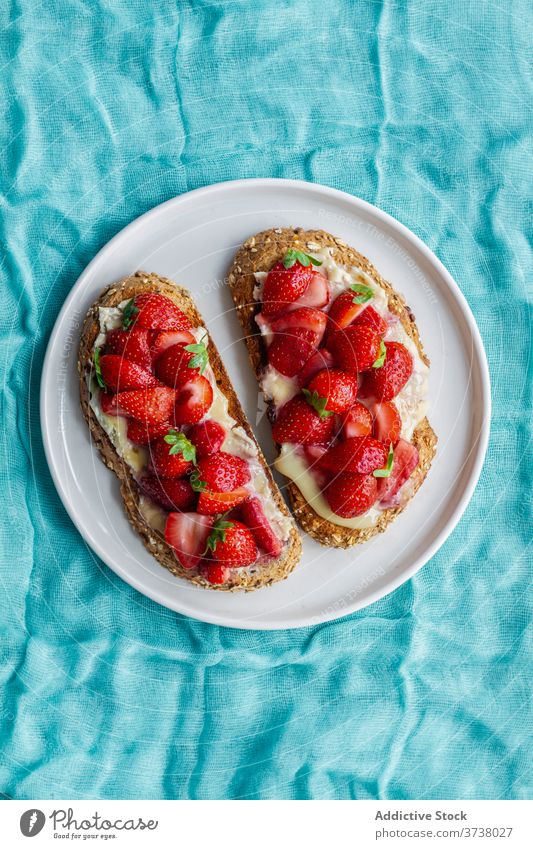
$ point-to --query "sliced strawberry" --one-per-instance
(404, 464)
(156, 312)
(142, 434)
(283, 286)
(356, 348)
(109, 404)
(255, 519)
(194, 399)
(373, 319)
(215, 573)
(213, 503)
(317, 361)
(359, 454)
(167, 464)
(343, 311)
(152, 405)
(351, 495)
(316, 295)
(357, 422)
(387, 422)
(163, 339)
(304, 318)
(384, 383)
(235, 546)
(314, 453)
(299, 423)
(170, 494)
(187, 533)
(289, 351)
(132, 345)
(224, 472)
(335, 390)
(120, 375)
(208, 437)
(173, 366)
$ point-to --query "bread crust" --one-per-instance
(259, 253)
(154, 542)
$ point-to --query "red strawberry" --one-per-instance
(163, 339)
(132, 345)
(299, 423)
(316, 295)
(223, 472)
(338, 389)
(373, 319)
(384, 383)
(170, 494)
(359, 454)
(404, 464)
(351, 495)
(212, 503)
(254, 517)
(109, 404)
(303, 318)
(356, 348)
(283, 286)
(343, 311)
(142, 434)
(316, 362)
(194, 399)
(171, 465)
(208, 437)
(152, 405)
(215, 573)
(357, 422)
(156, 312)
(172, 367)
(120, 375)
(387, 422)
(288, 352)
(187, 533)
(235, 546)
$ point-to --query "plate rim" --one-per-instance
(479, 445)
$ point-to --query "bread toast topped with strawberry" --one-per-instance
(338, 356)
(165, 418)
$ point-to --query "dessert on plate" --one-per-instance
(339, 359)
(166, 420)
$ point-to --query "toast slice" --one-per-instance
(258, 254)
(254, 577)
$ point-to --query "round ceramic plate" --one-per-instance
(192, 239)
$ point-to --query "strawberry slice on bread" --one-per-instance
(335, 356)
(149, 380)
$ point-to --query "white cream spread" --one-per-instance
(411, 401)
(237, 441)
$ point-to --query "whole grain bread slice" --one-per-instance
(238, 579)
(260, 253)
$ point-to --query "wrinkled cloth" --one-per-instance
(422, 109)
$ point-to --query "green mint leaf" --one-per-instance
(292, 256)
(218, 532)
(318, 403)
(99, 379)
(180, 445)
(200, 358)
(197, 484)
(381, 356)
(386, 472)
(363, 293)
(128, 314)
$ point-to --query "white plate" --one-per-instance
(192, 239)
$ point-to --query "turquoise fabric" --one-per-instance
(110, 108)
